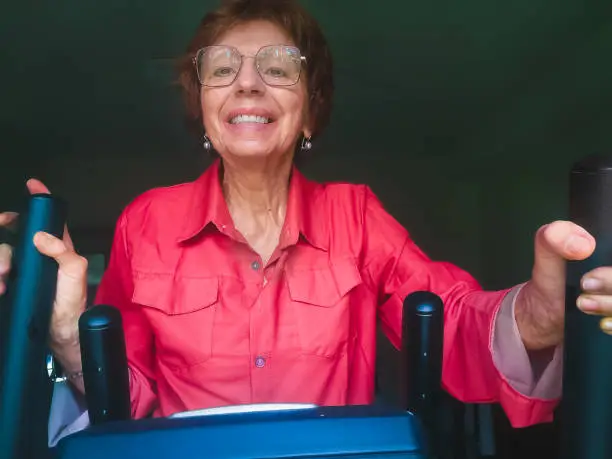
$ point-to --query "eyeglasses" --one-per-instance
(278, 65)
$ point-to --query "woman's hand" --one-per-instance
(71, 292)
(540, 307)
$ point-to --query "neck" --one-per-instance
(257, 190)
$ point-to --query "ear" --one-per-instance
(308, 124)
(307, 127)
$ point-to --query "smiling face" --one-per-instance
(249, 118)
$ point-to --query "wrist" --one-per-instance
(69, 359)
(57, 373)
(539, 323)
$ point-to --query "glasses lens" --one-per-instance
(279, 65)
(218, 65)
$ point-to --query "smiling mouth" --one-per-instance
(240, 119)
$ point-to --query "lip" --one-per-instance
(255, 111)
(249, 128)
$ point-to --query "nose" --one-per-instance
(248, 80)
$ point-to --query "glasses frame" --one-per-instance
(201, 51)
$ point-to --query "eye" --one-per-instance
(223, 71)
(276, 72)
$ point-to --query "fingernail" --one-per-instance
(575, 244)
(590, 283)
(587, 304)
(42, 237)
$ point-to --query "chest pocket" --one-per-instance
(321, 298)
(182, 314)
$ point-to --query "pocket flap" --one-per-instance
(175, 295)
(323, 286)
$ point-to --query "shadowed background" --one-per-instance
(464, 117)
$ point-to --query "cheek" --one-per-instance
(205, 106)
(304, 108)
(298, 108)
(210, 104)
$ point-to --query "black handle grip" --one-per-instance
(422, 343)
(26, 317)
(105, 368)
(587, 377)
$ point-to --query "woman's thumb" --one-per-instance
(35, 186)
(49, 245)
(69, 262)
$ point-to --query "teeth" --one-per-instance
(249, 119)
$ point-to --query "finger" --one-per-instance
(8, 219)
(606, 325)
(599, 280)
(67, 239)
(35, 186)
(5, 265)
(595, 304)
(563, 239)
(6, 253)
(554, 244)
(69, 261)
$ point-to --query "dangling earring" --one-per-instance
(206, 143)
(306, 143)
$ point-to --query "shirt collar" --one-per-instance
(206, 205)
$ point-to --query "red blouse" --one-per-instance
(208, 324)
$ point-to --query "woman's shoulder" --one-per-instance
(345, 195)
(334, 189)
(164, 203)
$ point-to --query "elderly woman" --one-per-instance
(253, 284)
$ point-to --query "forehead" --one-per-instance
(249, 37)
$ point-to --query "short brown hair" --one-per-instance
(295, 21)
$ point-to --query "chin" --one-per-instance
(250, 150)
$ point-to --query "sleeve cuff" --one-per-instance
(68, 414)
(532, 375)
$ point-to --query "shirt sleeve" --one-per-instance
(67, 415)
(395, 267)
(68, 411)
(533, 374)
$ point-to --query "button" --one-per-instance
(255, 265)
(260, 362)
